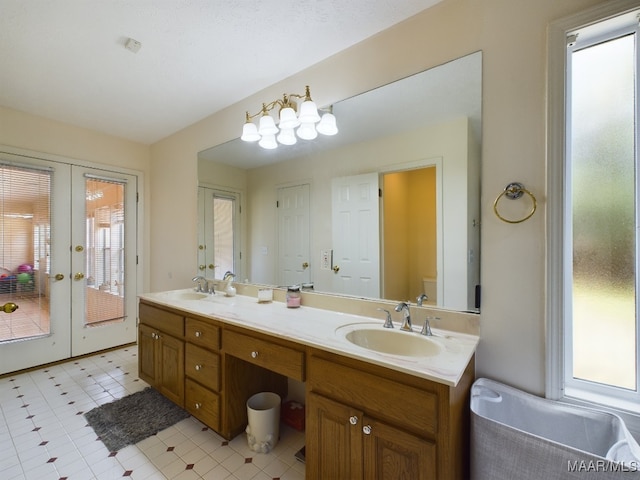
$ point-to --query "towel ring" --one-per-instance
(513, 191)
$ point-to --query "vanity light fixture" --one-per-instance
(308, 122)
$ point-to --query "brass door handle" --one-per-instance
(336, 269)
(201, 267)
(78, 276)
(9, 307)
(305, 265)
(59, 276)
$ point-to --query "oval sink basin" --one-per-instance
(187, 295)
(393, 342)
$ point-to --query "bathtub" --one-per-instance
(515, 435)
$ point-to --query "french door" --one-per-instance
(68, 260)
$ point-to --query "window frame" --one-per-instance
(559, 251)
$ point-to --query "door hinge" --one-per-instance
(380, 192)
(277, 203)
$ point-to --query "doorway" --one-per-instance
(410, 234)
(68, 260)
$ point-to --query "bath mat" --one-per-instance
(133, 418)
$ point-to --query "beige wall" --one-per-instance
(512, 37)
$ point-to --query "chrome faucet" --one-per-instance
(421, 299)
(199, 279)
(388, 323)
(426, 328)
(406, 316)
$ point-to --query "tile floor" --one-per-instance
(44, 436)
(31, 318)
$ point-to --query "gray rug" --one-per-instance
(133, 418)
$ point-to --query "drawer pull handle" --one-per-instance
(254, 354)
(198, 405)
(367, 429)
(198, 334)
(353, 420)
(198, 367)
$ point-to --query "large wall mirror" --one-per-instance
(387, 208)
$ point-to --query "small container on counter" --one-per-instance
(265, 295)
(293, 296)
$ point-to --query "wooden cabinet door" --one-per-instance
(171, 368)
(334, 440)
(147, 361)
(393, 453)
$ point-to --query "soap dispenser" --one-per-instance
(229, 289)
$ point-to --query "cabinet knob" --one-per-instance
(353, 420)
(367, 429)
(198, 334)
(198, 405)
(154, 335)
(198, 367)
(254, 354)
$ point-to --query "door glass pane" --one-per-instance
(223, 241)
(24, 251)
(104, 251)
(604, 214)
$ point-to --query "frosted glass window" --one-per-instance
(604, 218)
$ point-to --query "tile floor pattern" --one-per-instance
(44, 435)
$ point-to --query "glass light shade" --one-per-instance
(288, 118)
(307, 131)
(287, 136)
(267, 126)
(250, 132)
(268, 142)
(308, 112)
(327, 125)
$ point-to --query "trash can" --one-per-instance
(263, 429)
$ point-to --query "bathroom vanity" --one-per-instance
(369, 414)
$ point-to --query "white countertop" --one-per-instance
(317, 328)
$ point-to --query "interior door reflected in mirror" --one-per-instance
(431, 121)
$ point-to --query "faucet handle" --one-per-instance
(426, 328)
(388, 323)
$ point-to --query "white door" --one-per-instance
(54, 243)
(293, 235)
(103, 259)
(356, 238)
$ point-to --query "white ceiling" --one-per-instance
(66, 59)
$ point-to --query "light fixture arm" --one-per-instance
(282, 103)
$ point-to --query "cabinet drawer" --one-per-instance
(203, 366)
(168, 322)
(202, 333)
(380, 397)
(203, 404)
(277, 358)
